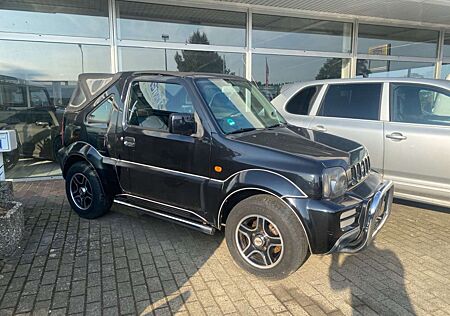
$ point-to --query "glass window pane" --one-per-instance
(131, 58)
(54, 66)
(270, 31)
(53, 17)
(177, 24)
(303, 101)
(445, 74)
(357, 101)
(102, 113)
(447, 44)
(420, 104)
(397, 41)
(36, 82)
(153, 102)
(271, 72)
(394, 69)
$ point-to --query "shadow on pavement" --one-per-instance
(124, 262)
(374, 280)
(419, 205)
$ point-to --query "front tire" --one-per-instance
(265, 237)
(85, 193)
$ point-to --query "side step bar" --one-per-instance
(181, 221)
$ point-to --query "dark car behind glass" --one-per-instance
(26, 108)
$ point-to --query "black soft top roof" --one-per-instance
(91, 85)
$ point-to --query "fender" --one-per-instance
(102, 166)
(263, 180)
(257, 179)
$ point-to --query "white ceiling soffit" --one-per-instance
(417, 11)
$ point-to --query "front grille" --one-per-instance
(358, 172)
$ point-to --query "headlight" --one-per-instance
(334, 182)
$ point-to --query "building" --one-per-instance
(45, 44)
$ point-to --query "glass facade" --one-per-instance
(394, 69)
(271, 31)
(271, 72)
(45, 45)
(446, 48)
(54, 17)
(397, 41)
(134, 58)
(177, 24)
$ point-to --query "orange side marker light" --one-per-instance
(217, 168)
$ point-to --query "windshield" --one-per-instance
(237, 105)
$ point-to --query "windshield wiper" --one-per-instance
(241, 130)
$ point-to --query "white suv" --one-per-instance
(404, 123)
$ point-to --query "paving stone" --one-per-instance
(125, 263)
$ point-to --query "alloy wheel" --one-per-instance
(259, 241)
(81, 191)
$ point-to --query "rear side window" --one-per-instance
(419, 104)
(303, 101)
(102, 113)
(356, 101)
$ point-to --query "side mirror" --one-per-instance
(182, 124)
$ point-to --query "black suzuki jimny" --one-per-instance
(210, 152)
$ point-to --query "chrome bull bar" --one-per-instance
(377, 211)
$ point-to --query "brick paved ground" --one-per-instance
(129, 263)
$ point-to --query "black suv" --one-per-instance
(209, 151)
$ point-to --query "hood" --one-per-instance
(305, 142)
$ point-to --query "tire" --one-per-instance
(82, 175)
(56, 145)
(275, 217)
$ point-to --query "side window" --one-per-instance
(102, 113)
(15, 96)
(420, 104)
(39, 97)
(303, 101)
(356, 101)
(151, 103)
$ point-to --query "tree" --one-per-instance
(200, 61)
(333, 67)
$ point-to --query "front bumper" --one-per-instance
(349, 223)
(373, 217)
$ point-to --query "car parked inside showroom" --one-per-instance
(404, 123)
(26, 108)
(210, 152)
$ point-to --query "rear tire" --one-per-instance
(266, 238)
(85, 193)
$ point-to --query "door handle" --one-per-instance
(128, 141)
(320, 128)
(396, 136)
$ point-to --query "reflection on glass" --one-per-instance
(52, 17)
(446, 44)
(396, 41)
(131, 58)
(175, 24)
(271, 31)
(445, 73)
(271, 72)
(395, 69)
(36, 82)
(54, 66)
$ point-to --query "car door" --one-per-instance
(296, 106)
(352, 110)
(160, 167)
(417, 142)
